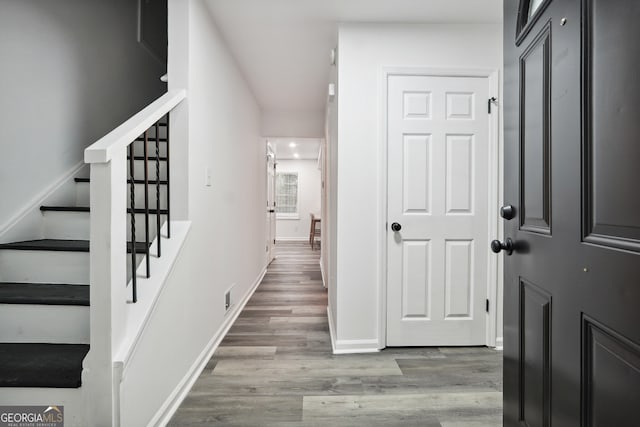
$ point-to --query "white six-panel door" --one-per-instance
(437, 192)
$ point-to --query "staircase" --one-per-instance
(44, 283)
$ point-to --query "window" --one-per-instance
(287, 195)
(533, 6)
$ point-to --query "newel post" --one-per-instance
(108, 291)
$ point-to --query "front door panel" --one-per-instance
(572, 354)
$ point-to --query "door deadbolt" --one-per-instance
(508, 212)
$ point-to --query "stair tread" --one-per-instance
(41, 365)
(162, 159)
(151, 139)
(65, 208)
(44, 294)
(137, 181)
(62, 245)
(86, 209)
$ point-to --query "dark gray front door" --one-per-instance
(572, 174)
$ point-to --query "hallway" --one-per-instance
(275, 367)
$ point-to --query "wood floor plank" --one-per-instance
(463, 405)
(283, 386)
(205, 409)
(305, 320)
(245, 351)
(339, 367)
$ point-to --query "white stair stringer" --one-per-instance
(31, 323)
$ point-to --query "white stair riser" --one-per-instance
(83, 189)
(76, 225)
(70, 398)
(44, 323)
(44, 266)
(50, 266)
(66, 225)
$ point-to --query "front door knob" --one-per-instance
(507, 246)
(396, 227)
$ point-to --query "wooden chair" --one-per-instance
(314, 230)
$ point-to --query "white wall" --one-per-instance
(301, 124)
(329, 220)
(364, 49)
(71, 72)
(309, 190)
(226, 245)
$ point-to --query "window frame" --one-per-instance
(526, 21)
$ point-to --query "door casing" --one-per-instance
(495, 264)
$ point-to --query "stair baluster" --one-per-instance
(168, 181)
(134, 285)
(158, 220)
(146, 200)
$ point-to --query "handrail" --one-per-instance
(102, 150)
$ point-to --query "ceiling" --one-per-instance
(283, 46)
(287, 148)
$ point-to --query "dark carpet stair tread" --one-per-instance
(86, 209)
(62, 245)
(44, 294)
(137, 181)
(41, 365)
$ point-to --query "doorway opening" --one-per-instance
(295, 191)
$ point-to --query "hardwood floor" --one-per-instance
(276, 368)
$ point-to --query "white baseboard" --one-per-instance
(292, 239)
(500, 343)
(30, 214)
(349, 346)
(355, 346)
(170, 406)
(324, 280)
(332, 331)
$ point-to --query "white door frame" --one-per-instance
(494, 271)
